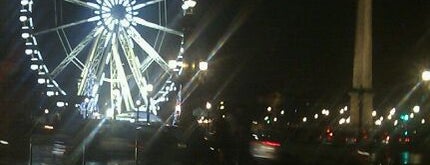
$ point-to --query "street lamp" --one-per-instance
(416, 109)
(304, 119)
(425, 75)
(203, 65)
(208, 105)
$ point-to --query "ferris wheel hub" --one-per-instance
(116, 15)
(118, 12)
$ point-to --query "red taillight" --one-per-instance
(407, 140)
(271, 143)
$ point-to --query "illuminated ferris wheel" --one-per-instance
(117, 55)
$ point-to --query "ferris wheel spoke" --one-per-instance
(157, 27)
(92, 19)
(148, 49)
(146, 63)
(73, 54)
(119, 69)
(142, 5)
(91, 64)
(89, 5)
(134, 64)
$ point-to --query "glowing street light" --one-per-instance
(425, 75)
(423, 121)
(269, 109)
(378, 122)
(325, 112)
(304, 119)
(4, 142)
(373, 113)
(203, 66)
(282, 112)
(208, 105)
(342, 121)
(316, 116)
(393, 111)
(416, 109)
(189, 4)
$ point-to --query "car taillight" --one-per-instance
(271, 143)
(407, 140)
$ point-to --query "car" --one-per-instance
(265, 145)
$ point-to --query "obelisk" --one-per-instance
(361, 102)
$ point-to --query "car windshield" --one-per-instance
(214, 82)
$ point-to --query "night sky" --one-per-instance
(301, 49)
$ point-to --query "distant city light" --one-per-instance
(269, 109)
(203, 66)
(348, 120)
(4, 142)
(316, 116)
(275, 119)
(341, 121)
(426, 75)
(389, 117)
(416, 109)
(393, 111)
(341, 111)
(50, 127)
(378, 122)
(222, 107)
(325, 112)
(423, 121)
(396, 122)
(282, 112)
(46, 111)
(305, 119)
(266, 118)
(411, 115)
(208, 105)
(373, 113)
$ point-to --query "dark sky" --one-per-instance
(302, 49)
